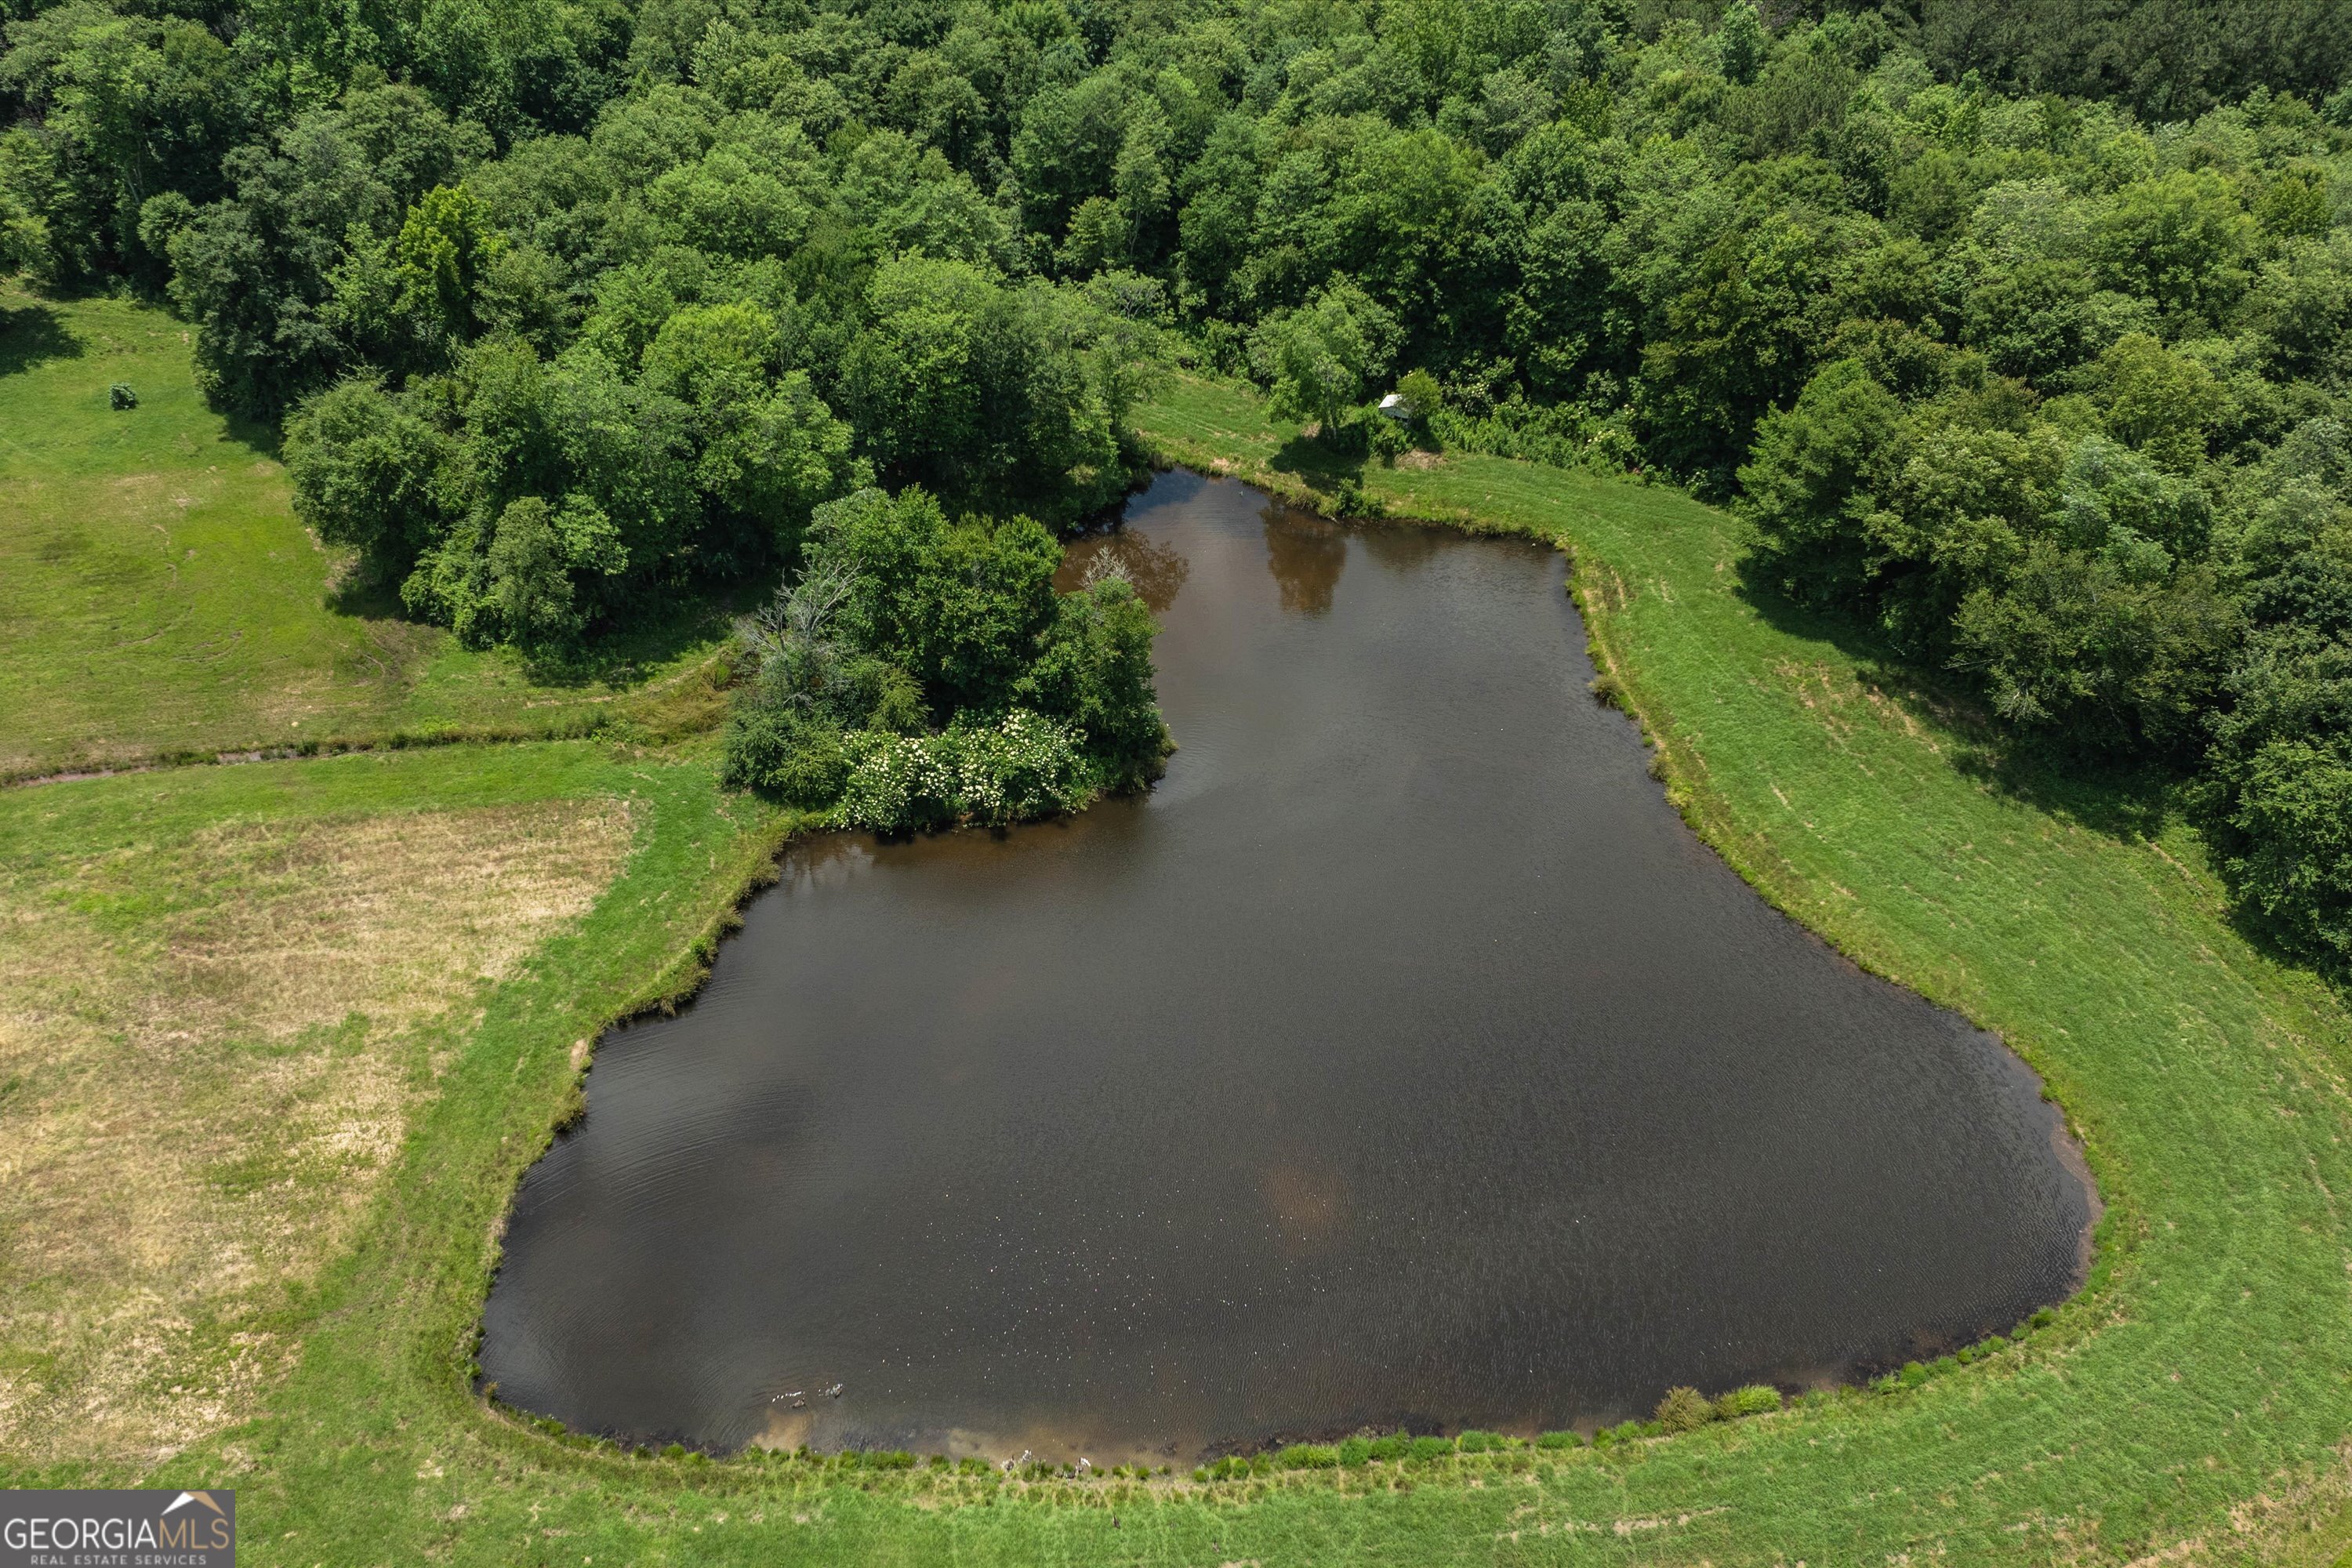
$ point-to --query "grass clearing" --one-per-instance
(2194, 1403)
(158, 598)
(208, 1040)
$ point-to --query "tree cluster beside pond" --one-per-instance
(2023, 334)
(899, 614)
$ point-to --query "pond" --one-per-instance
(1400, 1059)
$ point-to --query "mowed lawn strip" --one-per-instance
(2194, 1399)
(158, 597)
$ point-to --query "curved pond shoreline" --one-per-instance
(1304, 1207)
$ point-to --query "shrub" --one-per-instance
(1391, 1447)
(1307, 1457)
(1754, 1399)
(1017, 766)
(1560, 1440)
(1913, 1374)
(1431, 1448)
(1684, 1410)
(1561, 434)
(784, 752)
(1022, 765)
(2043, 1317)
(1356, 1451)
(121, 396)
(1422, 394)
(898, 783)
(1475, 1442)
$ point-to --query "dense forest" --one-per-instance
(2020, 332)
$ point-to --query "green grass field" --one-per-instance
(2193, 1406)
(157, 597)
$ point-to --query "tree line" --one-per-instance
(2020, 334)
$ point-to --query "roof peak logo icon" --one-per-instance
(41, 1527)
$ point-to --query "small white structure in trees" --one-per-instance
(1397, 407)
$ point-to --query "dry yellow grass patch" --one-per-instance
(207, 1054)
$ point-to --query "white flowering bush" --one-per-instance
(1022, 765)
(899, 784)
(1010, 768)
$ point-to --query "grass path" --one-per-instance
(2194, 1403)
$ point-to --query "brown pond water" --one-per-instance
(1402, 1058)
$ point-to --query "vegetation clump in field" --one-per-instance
(1045, 698)
(1684, 1410)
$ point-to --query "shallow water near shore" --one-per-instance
(1401, 1059)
